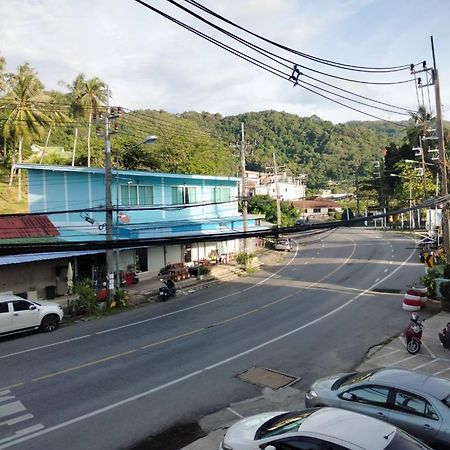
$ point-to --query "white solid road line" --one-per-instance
(45, 346)
(205, 369)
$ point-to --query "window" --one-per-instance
(4, 307)
(316, 210)
(182, 195)
(222, 194)
(306, 443)
(136, 194)
(413, 404)
(370, 395)
(21, 305)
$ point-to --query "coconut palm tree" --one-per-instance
(93, 96)
(26, 112)
(76, 89)
(2, 75)
(57, 115)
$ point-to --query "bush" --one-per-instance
(244, 258)
(446, 272)
(445, 291)
(428, 281)
(86, 303)
(203, 270)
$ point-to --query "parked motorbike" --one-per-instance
(413, 334)
(167, 290)
(444, 336)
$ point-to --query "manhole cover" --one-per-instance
(267, 378)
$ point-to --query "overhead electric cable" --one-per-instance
(266, 52)
(305, 55)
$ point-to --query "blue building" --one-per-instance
(146, 205)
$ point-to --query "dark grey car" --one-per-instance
(415, 402)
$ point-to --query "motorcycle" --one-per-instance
(413, 334)
(444, 336)
(167, 290)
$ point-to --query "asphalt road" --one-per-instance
(110, 383)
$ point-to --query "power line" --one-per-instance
(254, 46)
(252, 60)
(305, 55)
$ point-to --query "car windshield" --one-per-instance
(403, 441)
(356, 378)
(283, 423)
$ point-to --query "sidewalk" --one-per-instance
(147, 290)
(432, 359)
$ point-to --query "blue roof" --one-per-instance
(141, 173)
(29, 257)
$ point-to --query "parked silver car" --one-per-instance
(416, 402)
(316, 429)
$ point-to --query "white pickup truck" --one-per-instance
(18, 314)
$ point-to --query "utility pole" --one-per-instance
(442, 156)
(108, 205)
(244, 188)
(277, 191)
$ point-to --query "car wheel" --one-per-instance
(50, 323)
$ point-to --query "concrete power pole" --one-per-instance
(108, 204)
(442, 155)
(244, 188)
(277, 191)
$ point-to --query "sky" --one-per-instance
(150, 62)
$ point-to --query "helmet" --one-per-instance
(414, 317)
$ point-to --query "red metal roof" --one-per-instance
(26, 227)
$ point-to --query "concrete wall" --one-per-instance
(21, 278)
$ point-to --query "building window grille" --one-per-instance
(222, 194)
(136, 194)
(183, 195)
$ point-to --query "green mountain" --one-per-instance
(303, 145)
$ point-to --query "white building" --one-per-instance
(289, 187)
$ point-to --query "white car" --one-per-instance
(18, 314)
(316, 429)
(284, 245)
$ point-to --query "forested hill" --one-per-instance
(308, 145)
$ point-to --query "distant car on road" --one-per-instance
(284, 245)
(416, 402)
(18, 314)
(316, 429)
(302, 222)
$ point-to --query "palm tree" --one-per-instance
(76, 90)
(26, 116)
(2, 74)
(93, 96)
(56, 115)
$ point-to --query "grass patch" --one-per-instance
(8, 195)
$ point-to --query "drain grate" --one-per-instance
(267, 378)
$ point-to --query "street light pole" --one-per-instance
(244, 189)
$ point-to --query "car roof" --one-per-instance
(401, 378)
(342, 424)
